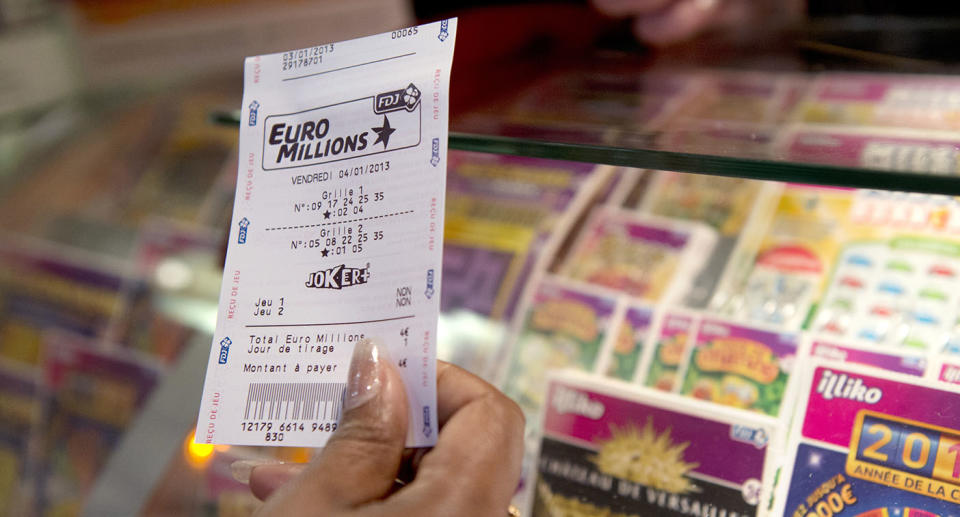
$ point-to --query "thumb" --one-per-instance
(362, 458)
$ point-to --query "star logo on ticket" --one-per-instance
(383, 132)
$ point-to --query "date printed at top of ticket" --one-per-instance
(337, 236)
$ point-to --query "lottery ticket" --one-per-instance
(876, 148)
(48, 287)
(909, 362)
(743, 366)
(871, 443)
(919, 101)
(565, 326)
(621, 355)
(741, 97)
(776, 274)
(932, 214)
(898, 292)
(615, 449)
(503, 216)
(670, 341)
(336, 237)
(93, 396)
(646, 257)
(20, 413)
(600, 101)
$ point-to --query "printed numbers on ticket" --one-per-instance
(336, 236)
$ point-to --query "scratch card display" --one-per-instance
(740, 366)
(868, 443)
(564, 327)
(614, 449)
(671, 345)
(648, 258)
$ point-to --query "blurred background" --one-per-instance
(118, 164)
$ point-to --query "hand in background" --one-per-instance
(664, 22)
(473, 470)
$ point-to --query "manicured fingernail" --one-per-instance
(363, 383)
(241, 469)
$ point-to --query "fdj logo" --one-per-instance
(757, 437)
(426, 421)
(435, 158)
(444, 30)
(429, 292)
(406, 99)
(338, 277)
(242, 236)
(254, 108)
(224, 350)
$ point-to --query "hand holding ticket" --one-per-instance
(336, 236)
(473, 470)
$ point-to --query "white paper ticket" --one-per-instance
(336, 236)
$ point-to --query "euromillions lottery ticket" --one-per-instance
(871, 443)
(336, 236)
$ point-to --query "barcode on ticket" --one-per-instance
(295, 401)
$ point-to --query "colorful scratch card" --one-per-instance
(20, 413)
(867, 443)
(626, 349)
(564, 326)
(672, 340)
(94, 396)
(740, 366)
(646, 257)
(615, 449)
(909, 362)
(912, 101)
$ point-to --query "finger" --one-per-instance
(678, 22)
(265, 479)
(617, 8)
(361, 459)
(475, 467)
(456, 388)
